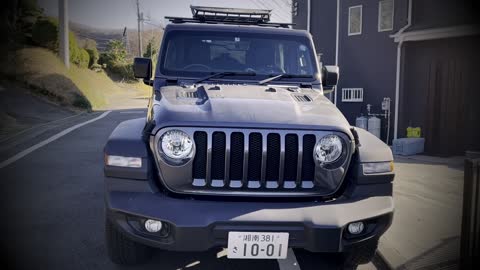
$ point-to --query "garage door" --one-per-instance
(441, 94)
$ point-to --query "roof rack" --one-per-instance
(215, 15)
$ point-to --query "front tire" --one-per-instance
(122, 250)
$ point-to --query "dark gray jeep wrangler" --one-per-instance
(241, 149)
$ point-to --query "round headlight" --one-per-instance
(328, 149)
(176, 145)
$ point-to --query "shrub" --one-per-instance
(91, 46)
(115, 53)
(74, 50)
(45, 34)
(93, 56)
(83, 58)
(125, 71)
(115, 60)
(82, 102)
(96, 67)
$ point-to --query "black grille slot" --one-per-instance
(255, 156)
(236, 155)
(187, 94)
(308, 166)
(200, 160)
(218, 155)
(302, 98)
(291, 157)
(273, 157)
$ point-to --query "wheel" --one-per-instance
(122, 250)
(361, 254)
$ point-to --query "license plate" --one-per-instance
(257, 245)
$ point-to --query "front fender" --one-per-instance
(127, 140)
(371, 149)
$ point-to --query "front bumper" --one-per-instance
(198, 225)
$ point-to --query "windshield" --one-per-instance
(200, 53)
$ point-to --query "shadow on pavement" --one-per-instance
(445, 255)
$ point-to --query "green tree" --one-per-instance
(150, 51)
(115, 59)
(115, 52)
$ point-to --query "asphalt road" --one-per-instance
(52, 200)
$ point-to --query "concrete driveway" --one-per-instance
(425, 233)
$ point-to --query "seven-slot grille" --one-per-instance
(254, 160)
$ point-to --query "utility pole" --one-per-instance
(125, 40)
(139, 20)
(63, 32)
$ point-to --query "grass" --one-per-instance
(78, 88)
(141, 90)
(43, 71)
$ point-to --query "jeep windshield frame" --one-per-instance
(253, 56)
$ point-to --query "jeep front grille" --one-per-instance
(252, 162)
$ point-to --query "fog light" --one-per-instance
(356, 227)
(153, 226)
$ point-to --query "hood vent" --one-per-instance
(187, 94)
(302, 98)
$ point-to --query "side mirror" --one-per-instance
(142, 68)
(330, 76)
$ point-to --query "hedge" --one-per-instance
(125, 71)
(93, 55)
(45, 34)
(83, 58)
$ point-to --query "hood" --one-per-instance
(247, 106)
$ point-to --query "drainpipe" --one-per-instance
(309, 12)
(336, 47)
(399, 57)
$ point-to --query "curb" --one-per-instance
(380, 262)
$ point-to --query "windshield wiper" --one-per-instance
(225, 73)
(284, 75)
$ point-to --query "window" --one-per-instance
(354, 20)
(352, 94)
(385, 15)
(199, 53)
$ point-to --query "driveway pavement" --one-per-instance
(425, 233)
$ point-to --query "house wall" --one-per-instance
(442, 13)
(323, 28)
(368, 60)
(300, 20)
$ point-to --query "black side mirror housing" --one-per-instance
(330, 76)
(142, 68)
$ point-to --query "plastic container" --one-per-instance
(414, 132)
(408, 146)
(374, 126)
(361, 122)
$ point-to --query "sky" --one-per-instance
(114, 14)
